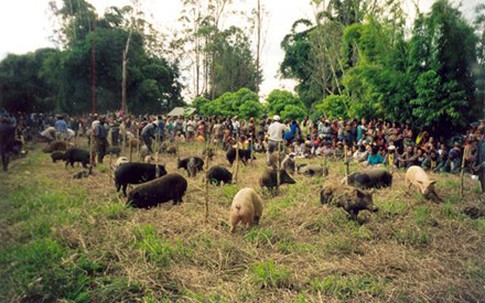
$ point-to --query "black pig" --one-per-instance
(218, 174)
(161, 190)
(370, 178)
(244, 155)
(136, 173)
(269, 178)
(76, 155)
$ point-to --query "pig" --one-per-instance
(144, 152)
(199, 163)
(169, 187)
(417, 177)
(56, 156)
(246, 207)
(120, 161)
(218, 174)
(76, 155)
(136, 173)
(269, 178)
(192, 167)
(275, 159)
(172, 150)
(244, 155)
(84, 173)
(133, 143)
(351, 199)
(312, 170)
(57, 146)
(113, 150)
(148, 159)
(209, 152)
(288, 163)
(370, 178)
(166, 148)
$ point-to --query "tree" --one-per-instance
(22, 87)
(285, 104)
(442, 52)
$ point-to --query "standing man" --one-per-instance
(101, 138)
(275, 135)
(7, 138)
(148, 134)
(61, 128)
(480, 163)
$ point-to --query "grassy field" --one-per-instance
(67, 240)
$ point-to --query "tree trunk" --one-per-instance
(123, 80)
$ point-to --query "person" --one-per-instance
(61, 128)
(480, 163)
(392, 156)
(375, 158)
(432, 161)
(148, 134)
(361, 154)
(275, 135)
(7, 138)
(453, 163)
(101, 138)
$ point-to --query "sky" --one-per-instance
(25, 26)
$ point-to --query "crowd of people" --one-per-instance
(370, 142)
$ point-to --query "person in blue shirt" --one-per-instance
(148, 134)
(61, 128)
(375, 157)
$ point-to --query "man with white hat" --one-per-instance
(275, 134)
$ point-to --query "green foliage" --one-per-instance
(23, 86)
(234, 67)
(61, 80)
(333, 107)
(285, 104)
(243, 103)
(268, 274)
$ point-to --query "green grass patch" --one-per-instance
(259, 236)
(393, 208)
(345, 287)
(268, 274)
(414, 237)
(37, 271)
(480, 224)
(422, 215)
(155, 249)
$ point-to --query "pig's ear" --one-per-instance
(432, 182)
(372, 191)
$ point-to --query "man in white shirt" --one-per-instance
(275, 134)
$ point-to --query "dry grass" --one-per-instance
(411, 250)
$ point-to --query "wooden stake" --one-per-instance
(237, 158)
(278, 167)
(466, 150)
(206, 170)
(346, 163)
(138, 143)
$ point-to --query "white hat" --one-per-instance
(276, 118)
(391, 147)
